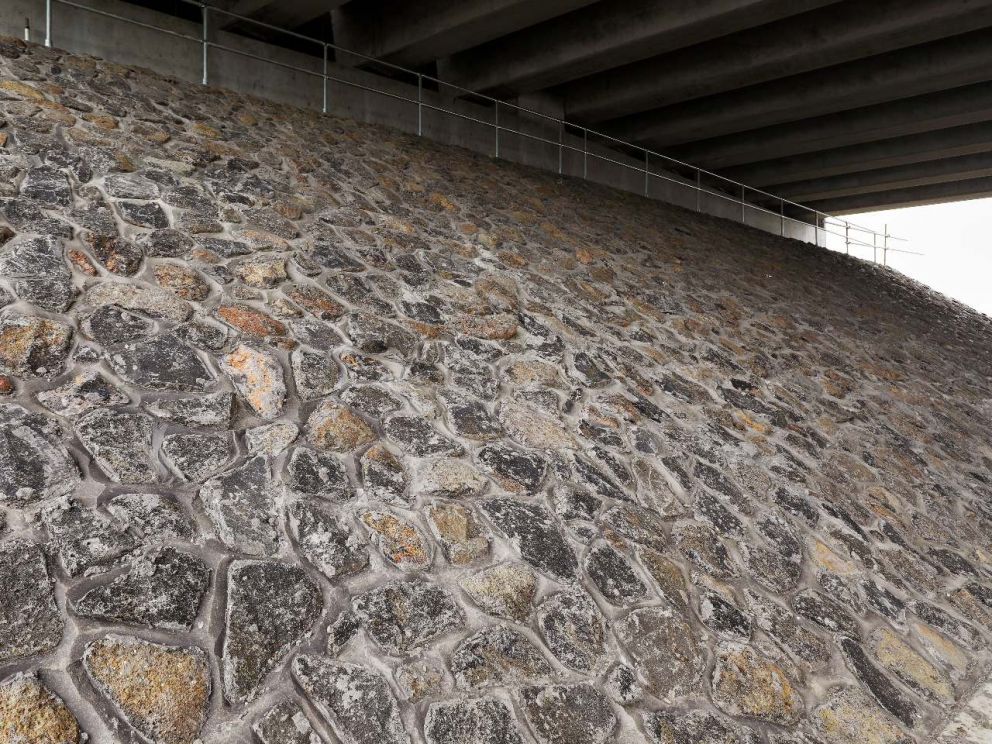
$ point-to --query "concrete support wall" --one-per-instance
(83, 32)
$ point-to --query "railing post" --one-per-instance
(585, 153)
(847, 237)
(699, 189)
(497, 129)
(743, 212)
(420, 104)
(781, 211)
(885, 247)
(323, 108)
(48, 23)
(204, 10)
(646, 172)
(27, 29)
(874, 246)
(561, 147)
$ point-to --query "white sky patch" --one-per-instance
(955, 238)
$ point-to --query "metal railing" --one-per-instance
(612, 150)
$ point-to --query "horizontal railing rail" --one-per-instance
(666, 168)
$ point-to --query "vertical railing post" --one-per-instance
(27, 29)
(323, 107)
(699, 189)
(561, 146)
(420, 104)
(743, 212)
(885, 247)
(204, 11)
(847, 237)
(585, 153)
(497, 128)
(646, 172)
(781, 211)
(48, 23)
(874, 246)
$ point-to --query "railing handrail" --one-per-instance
(563, 124)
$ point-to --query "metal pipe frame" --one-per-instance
(730, 184)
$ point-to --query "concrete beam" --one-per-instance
(976, 188)
(887, 179)
(605, 36)
(940, 65)
(953, 108)
(415, 33)
(888, 153)
(826, 37)
(289, 15)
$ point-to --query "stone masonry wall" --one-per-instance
(313, 432)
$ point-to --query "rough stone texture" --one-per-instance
(30, 622)
(161, 691)
(511, 440)
(161, 590)
(285, 723)
(270, 608)
(405, 615)
(31, 714)
(506, 590)
(357, 701)
(577, 714)
(481, 721)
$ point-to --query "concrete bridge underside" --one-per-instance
(841, 104)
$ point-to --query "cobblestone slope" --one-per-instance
(311, 431)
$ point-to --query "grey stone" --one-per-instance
(636, 523)
(569, 714)
(85, 540)
(271, 607)
(357, 702)
(533, 532)
(111, 324)
(271, 439)
(613, 575)
(48, 185)
(152, 301)
(327, 542)
(498, 657)
(450, 478)
(505, 590)
(574, 630)
(213, 409)
(34, 464)
(404, 615)
(722, 616)
(196, 457)
(664, 650)
(481, 721)
(319, 474)
(162, 363)
(419, 438)
(241, 505)
(515, 470)
(161, 590)
(84, 392)
(469, 418)
(30, 621)
(152, 516)
(696, 727)
(120, 443)
(888, 695)
(315, 374)
(143, 214)
(38, 272)
(285, 723)
(130, 186)
(383, 474)
(620, 683)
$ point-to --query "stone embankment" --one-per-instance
(315, 432)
